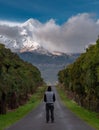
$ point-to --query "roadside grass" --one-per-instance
(15, 115)
(90, 117)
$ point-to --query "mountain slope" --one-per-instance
(19, 37)
(23, 37)
(49, 64)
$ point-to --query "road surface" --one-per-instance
(64, 119)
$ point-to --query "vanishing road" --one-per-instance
(64, 119)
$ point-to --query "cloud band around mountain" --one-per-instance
(71, 37)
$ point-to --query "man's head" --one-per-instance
(49, 88)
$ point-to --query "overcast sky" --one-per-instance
(58, 25)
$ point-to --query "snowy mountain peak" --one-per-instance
(31, 23)
(21, 37)
(24, 37)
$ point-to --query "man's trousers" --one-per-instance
(49, 112)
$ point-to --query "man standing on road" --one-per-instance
(49, 98)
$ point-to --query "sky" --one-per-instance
(62, 25)
(43, 10)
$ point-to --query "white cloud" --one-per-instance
(73, 36)
(9, 23)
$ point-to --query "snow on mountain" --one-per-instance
(31, 36)
(21, 37)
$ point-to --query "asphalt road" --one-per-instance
(64, 119)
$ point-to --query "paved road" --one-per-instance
(64, 119)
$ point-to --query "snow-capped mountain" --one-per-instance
(26, 40)
(21, 38)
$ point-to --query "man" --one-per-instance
(49, 98)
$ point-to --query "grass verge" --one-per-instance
(91, 118)
(17, 114)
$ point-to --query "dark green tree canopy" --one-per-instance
(82, 78)
(18, 78)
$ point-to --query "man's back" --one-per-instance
(50, 96)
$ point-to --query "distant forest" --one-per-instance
(18, 79)
(81, 78)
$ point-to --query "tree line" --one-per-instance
(18, 79)
(81, 78)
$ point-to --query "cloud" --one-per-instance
(9, 29)
(9, 23)
(72, 36)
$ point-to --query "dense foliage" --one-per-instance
(81, 79)
(18, 79)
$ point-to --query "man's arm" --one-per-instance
(54, 98)
(44, 97)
